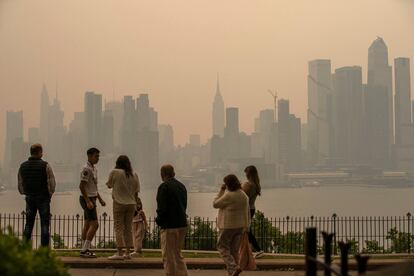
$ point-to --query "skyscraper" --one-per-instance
(166, 134)
(403, 124)
(140, 139)
(93, 119)
(288, 138)
(108, 131)
(44, 115)
(76, 137)
(380, 75)
(283, 130)
(376, 126)
(348, 115)
(117, 109)
(56, 132)
(266, 124)
(320, 130)
(404, 130)
(231, 133)
(218, 112)
(14, 134)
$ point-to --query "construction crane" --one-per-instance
(274, 95)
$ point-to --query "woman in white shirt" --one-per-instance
(233, 219)
(125, 187)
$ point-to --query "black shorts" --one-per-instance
(88, 214)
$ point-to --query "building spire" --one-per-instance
(218, 84)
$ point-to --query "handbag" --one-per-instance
(246, 260)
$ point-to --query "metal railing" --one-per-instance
(370, 235)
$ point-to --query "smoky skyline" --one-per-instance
(173, 51)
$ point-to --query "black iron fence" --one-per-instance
(370, 235)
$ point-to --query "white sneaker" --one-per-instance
(135, 254)
(116, 257)
(259, 254)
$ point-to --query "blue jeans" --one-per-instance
(39, 203)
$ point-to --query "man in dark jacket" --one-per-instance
(172, 219)
(37, 182)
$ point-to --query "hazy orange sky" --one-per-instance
(173, 50)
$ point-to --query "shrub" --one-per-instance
(18, 258)
(201, 236)
(400, 241)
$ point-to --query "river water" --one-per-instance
(278, 202)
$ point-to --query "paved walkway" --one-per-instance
(159, 272)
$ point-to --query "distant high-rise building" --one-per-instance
(265, 127)
(231, 133)
(14, 134)
(232, 120)
(166, 134)
(283, 130)
(403, 123)
(108, 131)
(129, 125)
(380, 75)
(93, 119)
(295, 143)
(218, 113)
(348, 115)
(140, 139)
(117, 109)
(288, 138)
(76, 137)
(320, 132)
(376, 126)
(44, 116)
(147, 118)
(56, 133)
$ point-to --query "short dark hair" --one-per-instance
(36, 149)
(92, 151)
(167, 170)
(232, 182)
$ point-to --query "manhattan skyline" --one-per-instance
(271, 50)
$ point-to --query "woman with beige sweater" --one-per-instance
(125, 187)
(233, 219)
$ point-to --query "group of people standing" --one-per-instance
(235, 203)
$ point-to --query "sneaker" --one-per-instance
(259, 254)
(127, 256)
(87, 254)
(116, 257)
(135, 254)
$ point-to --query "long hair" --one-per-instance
(253, 176)
(123, 163)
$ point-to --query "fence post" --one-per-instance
(310, 251)
(104, 228)
(344, 247)
(409, 232)
(23, 222)
(334, 233)
(327, 246)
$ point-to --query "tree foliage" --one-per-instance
(18, 258)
